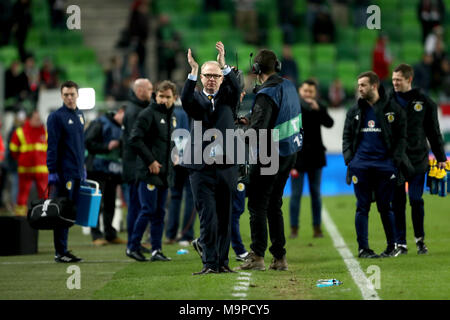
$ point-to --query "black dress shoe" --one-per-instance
(204, 271)
(136, 255)
(226, 269)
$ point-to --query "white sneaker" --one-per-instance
(242, 257)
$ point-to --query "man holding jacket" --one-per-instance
(374, 142)
(423, 124)
(150, 139)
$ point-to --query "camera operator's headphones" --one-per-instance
(256, 68)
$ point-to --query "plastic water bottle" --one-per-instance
(182, 251)
(432, 162)
(447, 168)
(321, 283)
(442, 176)
(434, 185)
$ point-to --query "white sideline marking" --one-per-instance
(364, 285)
(242, 285)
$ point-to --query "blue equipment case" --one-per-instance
(88, 206)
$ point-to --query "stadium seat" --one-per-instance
(412, 52)
(347, 72)
(7, 55)
(367, 37)
(324, 53)
(220, 19)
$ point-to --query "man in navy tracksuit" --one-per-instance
(65, 159)
(374, 141)
(423, 125)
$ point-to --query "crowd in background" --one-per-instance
(25, 77)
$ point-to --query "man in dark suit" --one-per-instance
(213, 174)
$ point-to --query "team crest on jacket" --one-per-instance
(69, 185)
(81, 119)
(418, 106)
(390, 117)
(240, 186)
(355, 179)
(371, 124)
(150, 187)
(174, 122)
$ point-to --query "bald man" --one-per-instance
(138, 100)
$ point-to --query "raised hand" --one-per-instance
(192, 63)
(221, 55)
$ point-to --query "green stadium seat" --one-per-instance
(345, 51)
(412, 52)
(346, 36)
(388, 5)
(325, 73)
(275, 38)
(220, 19)
(204, 53)
(7, 55)
(300, 6)
(347, 71)
(367, 37)
(324, 53)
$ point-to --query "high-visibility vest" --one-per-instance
(29, 147)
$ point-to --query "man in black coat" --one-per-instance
(139, 98)
(421, 113)
(374, 143)
(151, 141)
(213, 176)
(310, 159)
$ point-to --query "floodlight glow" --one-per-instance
(86, 98)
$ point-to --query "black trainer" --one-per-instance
(367, 253)
(401, 249)
(136, 255)
(159, 256)
(421, 247)
(197, 247)
(67, 258)
(389, 252)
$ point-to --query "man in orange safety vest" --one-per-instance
(29, 147)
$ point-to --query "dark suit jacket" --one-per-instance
(199, 108)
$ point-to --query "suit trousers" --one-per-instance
(212, 188)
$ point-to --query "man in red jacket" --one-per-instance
(29, 147)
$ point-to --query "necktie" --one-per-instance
(210, 98)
